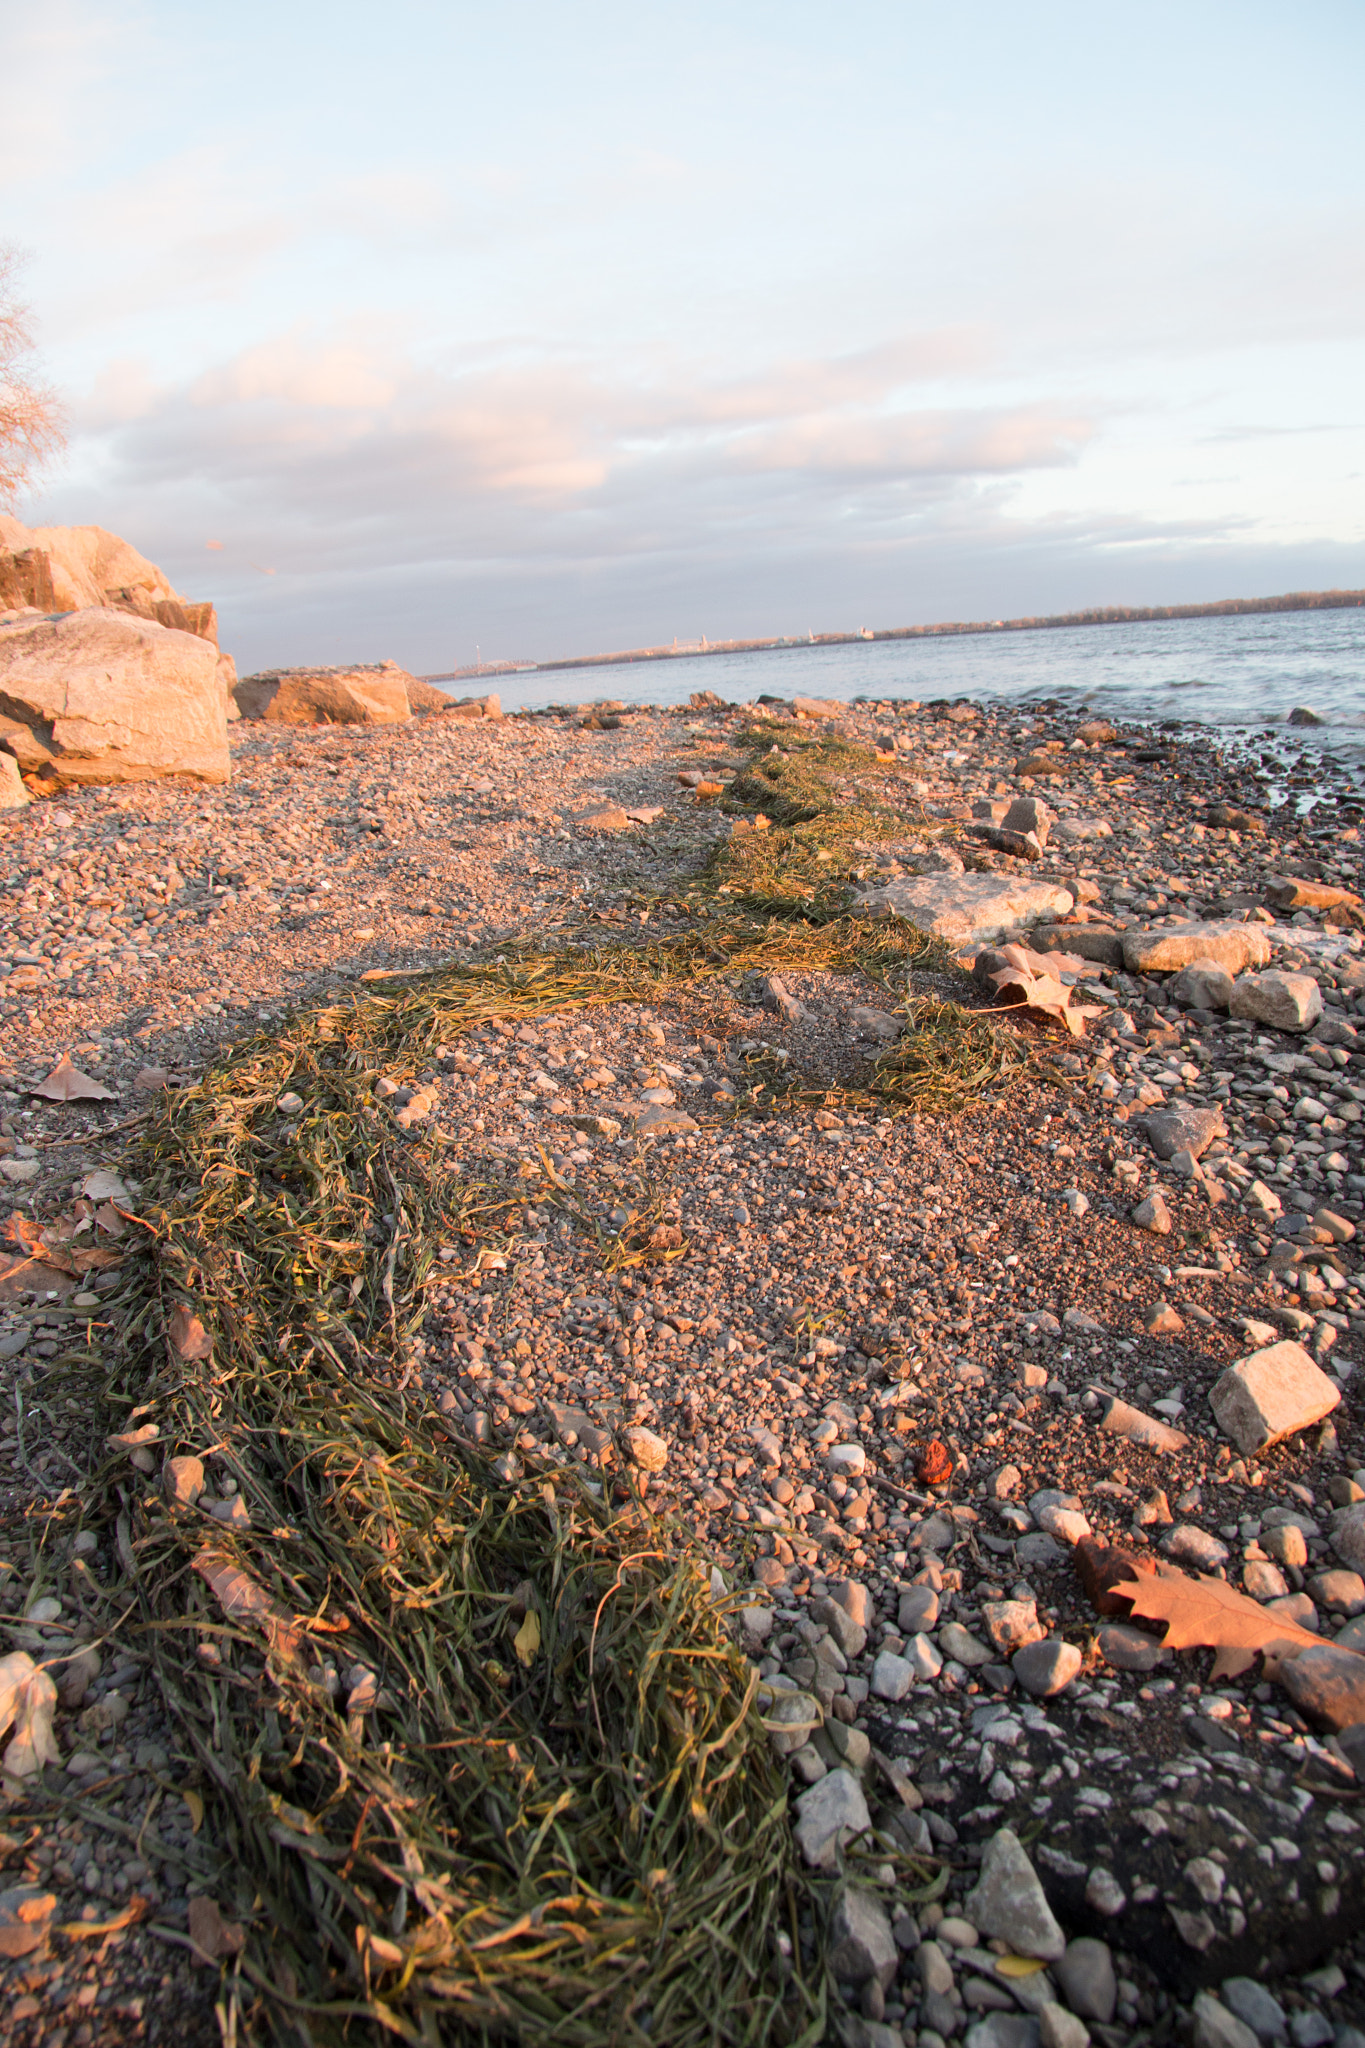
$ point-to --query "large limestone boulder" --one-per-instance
(375, 695)
(968, 910)
(79, 568)
(1165, 949)
(99, 696)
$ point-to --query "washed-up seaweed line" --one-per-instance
(536, 1800)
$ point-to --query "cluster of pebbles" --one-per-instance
(875, 1383)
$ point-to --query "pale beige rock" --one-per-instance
(116, 698)
(816, 707)
(1271, 1395)
(1233, 947)
(968, 910)
(326, 696)
(89, 568)
(1287, 1002)
(13, 795)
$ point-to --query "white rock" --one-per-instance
(968, 910)
(1287, 1002)
(111, 697)
(848, 1459)
(1271, 1395)
(13, 795)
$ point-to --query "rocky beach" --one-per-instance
(923, 1144)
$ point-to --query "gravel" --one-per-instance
(851, 1290)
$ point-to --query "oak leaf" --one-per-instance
(1207, 1614)
(1019, 975)
(1100, 1567)
(68, 1084)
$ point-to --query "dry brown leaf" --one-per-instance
(243, 1599)
(136, 1909)
(212, 1935)
(189, 1338)
(1033, 979)
(1207, 1614)
(68, 1084)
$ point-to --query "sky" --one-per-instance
(541, 330)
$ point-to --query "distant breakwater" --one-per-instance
(1100, 615)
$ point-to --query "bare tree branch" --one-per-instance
(31, 424)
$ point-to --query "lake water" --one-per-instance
(1247, 672)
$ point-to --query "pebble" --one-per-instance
(1046, 1668)
(1008, 1902)
(1085, 1972)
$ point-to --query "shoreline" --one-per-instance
(1104, 615)
(838, 1289)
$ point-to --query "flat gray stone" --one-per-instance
(892, 1677)
(1343, 1592)
(1203, 985)
(1086, 1975)
(1255, 2008)
(1348, 1536)
(861, 1944)
(918, 1610)
(1009, 1904)
(1047, 1668)
(828, 1817)
(1270, 1395)
(1004, 2030)
(1129, 1649)
(1183, 1128)
(1328, 1684)
(1187, 1543)
(1216, 2027)
(968, 910)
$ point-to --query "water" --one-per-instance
(1244, 672)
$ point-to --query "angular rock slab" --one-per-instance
(110, 697)
(1009, 1903)
(1327, 1684)
(967, 910)
(1286, 1002)
(829, 1816)
(326, 696)
(1184, 1129)
(1166, 949)
(13, 795)
(1271, 1395)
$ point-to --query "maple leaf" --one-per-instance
(1207, 1614)
(68, 1084)
(1019, 975)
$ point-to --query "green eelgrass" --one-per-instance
(536, 1800)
